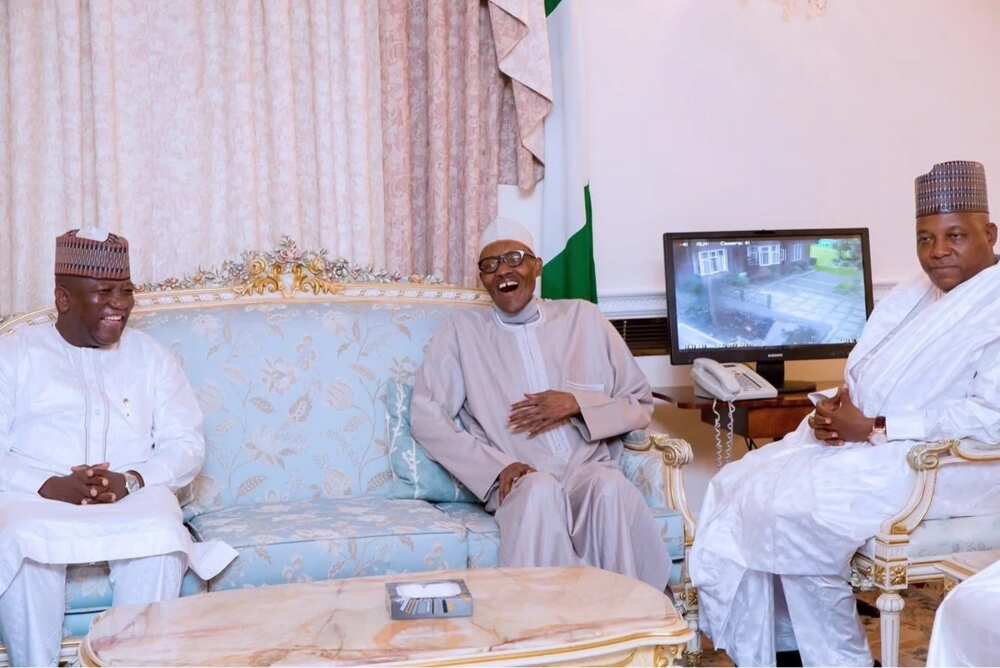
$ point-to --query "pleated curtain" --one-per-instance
(199, 129)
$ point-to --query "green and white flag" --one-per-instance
(567, 235)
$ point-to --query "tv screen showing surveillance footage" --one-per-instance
(770, 292)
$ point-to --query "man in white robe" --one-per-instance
(542, 391)
(98, 428)
(966, 632)
(778, 528)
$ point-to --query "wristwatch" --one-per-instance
(878, 435)
(133, 483)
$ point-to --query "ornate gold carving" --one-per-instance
(692, 658)
(897, 575)
(286, 269)
(878, 574)
(926, 456)
(691, 598)
(666, 655)
(676, 451)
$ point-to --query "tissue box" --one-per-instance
(431, 599)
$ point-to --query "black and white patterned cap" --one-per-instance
(952, 187)
(81, 254)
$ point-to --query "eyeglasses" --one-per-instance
(514, 258)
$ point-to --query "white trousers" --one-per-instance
(595, 516)
(815, 614)
(32, 607)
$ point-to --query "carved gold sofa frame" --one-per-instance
(885, 563)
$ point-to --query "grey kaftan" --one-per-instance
(578, 508)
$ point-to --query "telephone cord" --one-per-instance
(728, 457)
(718, 434)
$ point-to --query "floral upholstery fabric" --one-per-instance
(321, 539)
(646, 471)
(414, 474)
(293, 394)
(934, 538)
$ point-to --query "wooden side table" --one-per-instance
(755, 418)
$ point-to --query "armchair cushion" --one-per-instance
(321, 539)
(940, 537)
(414, 474)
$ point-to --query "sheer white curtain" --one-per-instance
(198, 129)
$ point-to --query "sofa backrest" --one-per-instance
(290, 369)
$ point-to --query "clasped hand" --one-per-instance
(837, 420)
(85, 485)
(541, 411)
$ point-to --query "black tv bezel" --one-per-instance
(762, 354)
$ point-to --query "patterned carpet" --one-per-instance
(917, 619)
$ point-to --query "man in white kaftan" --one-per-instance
(98, 428)
(966, 632)
(778, 528)
(542, 459)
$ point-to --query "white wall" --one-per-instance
(722, 114)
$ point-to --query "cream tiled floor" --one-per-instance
(917, 620)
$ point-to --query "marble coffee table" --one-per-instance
(530, 616)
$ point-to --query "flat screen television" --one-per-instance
(767, 296)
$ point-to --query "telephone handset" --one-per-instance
(729, 381)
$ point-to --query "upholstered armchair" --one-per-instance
(910, 548)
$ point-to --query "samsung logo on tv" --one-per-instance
(775, 355)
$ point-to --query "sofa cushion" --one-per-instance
(484, 535)
(321, 539)
(414, 474)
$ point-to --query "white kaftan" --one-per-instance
(798, 509)
(129, 405)
(966, 632)
(578, 508)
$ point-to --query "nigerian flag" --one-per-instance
(567, 237)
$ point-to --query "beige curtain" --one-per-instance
(457, 123)
(198, 129)
(202, 128)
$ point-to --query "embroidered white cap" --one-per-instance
(506, 229)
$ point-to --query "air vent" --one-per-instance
(644, 336)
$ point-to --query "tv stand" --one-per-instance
(774, 373)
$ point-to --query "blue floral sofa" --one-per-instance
(291, 356)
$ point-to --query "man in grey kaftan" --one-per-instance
(542, 390)
(778, 528)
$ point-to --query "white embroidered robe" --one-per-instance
(129, 405)
(799, 508)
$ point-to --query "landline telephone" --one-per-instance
(729, 382)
